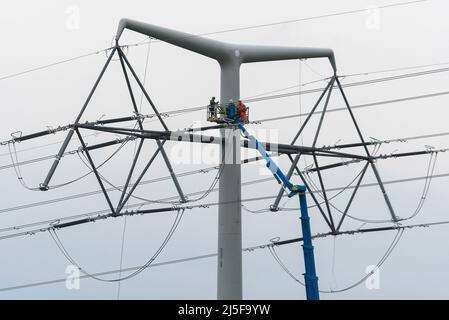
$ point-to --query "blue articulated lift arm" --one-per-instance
(310, 277)
(271, 165)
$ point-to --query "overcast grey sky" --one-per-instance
(36, 33)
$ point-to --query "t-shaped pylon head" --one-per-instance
(225, 52)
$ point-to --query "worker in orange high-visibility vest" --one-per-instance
(241, 109)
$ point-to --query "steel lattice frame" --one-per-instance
(293, 151)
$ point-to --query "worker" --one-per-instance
(241, 110)
(213, 108)
(231, 110)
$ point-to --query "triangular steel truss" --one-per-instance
(127, 190)
(326, 212)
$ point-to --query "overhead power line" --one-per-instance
(56, 63)
(359, 106)
(270, 97)
(73, 152)
(355, 84)
(346, 76)
(98, 214)
(211, 255)
(322, 16)
(96, 192)
(334, 14)
(13, 75)
(317, 90)
(428, 65)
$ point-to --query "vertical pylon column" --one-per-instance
(229, 268)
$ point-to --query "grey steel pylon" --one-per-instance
(230, 57)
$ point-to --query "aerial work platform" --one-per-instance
(219, 113)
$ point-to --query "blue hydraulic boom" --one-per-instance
(310, 277)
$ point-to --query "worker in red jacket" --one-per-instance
(241, 109)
